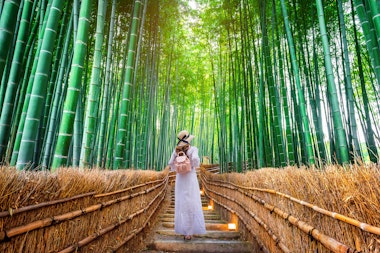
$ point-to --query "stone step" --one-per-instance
(204, 207)
(201, 245)
(203, 197)
(218, 239)
(209, 226)
(214, 234)
(205, 211)
(204, 203)
(171, 219)
(209, 216)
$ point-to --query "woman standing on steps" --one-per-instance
(188, 215)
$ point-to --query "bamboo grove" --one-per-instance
(260, 83)
(296, 82)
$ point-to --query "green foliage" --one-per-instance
(224, 70)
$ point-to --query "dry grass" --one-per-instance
(353, 192)
(24, 188)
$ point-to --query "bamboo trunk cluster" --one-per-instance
(97, 83)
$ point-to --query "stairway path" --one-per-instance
(217, 238)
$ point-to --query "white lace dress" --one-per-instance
(188, 216)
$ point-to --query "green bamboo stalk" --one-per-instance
(318, 106)
(28, 80)
(117, 88)
(112, 130)
(374, 6)
(122, 124)
(370, 37)
(343, 156)
(71, 101)
(369, 136)
(14, 77)
(100, 161)
(57, 97)
(300, 97)
(19, 108)
(90, 124)
(354, 142)
(38, 93)
(1, 5)
(9, 57)
(78, 124)
(261, 159)
(7, 29)
(24, 94)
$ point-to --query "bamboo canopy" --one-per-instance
(259, 83)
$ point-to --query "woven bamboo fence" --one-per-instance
(279, 222)
(107, 219)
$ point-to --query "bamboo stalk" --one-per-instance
(76, 213)
(213, 170)
(327, 241)
(43, 204)
(120, 199)
(29, 227)
(129, 188)
(208, 166)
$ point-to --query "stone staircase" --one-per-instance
(217, 239)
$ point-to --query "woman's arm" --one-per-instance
(194, 158)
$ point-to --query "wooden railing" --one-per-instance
(109, 221)
(279, 230)
(101, 222)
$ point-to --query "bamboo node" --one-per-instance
(310, 233)
(287, 217)
(4, 236)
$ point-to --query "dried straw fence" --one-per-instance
(279, 222)
(104, 211)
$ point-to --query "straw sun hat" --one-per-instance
(184, 138)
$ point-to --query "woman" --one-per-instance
(188, 215)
